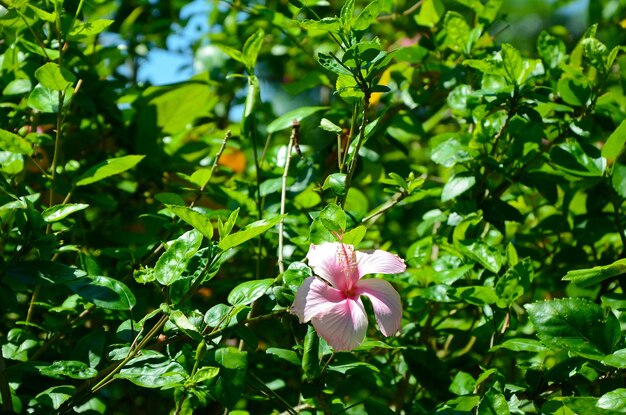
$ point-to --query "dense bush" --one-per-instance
(154, 238)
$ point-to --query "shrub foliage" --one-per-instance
(153, 237)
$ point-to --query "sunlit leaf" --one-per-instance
(108, 168)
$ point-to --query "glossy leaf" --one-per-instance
(104, 292)
(86, 30)
(286, 120)
(285, 354)
(58, 212)
(233, 365)
(70, 368)
(55, 396)
(614, 400)
(108, 168)
(615, 144)
(199, 221)
(577, 325)
(456, 186)
(250, 231)
(514, 283)
(173, 262)
(153, 371)
(595, 275)
(53, 77)
(249, 291)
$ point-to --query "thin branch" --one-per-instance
(5, 390)
(295, 128)
(359, 143)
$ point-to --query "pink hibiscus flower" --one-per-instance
(333, 304)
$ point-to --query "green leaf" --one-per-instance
(286, 120)
(104, 292)
(274, 185)
(576, 325)
(54, 77)
(332, 64)
(204, 374)
(232, 380)
(42, 14)
(336, 182)
(295, 274)
(153, 371)
(493, 403)
(310, 354)
(345, 16)
(47, 100)
(329, 126)
(615, 144)
(173, 262)
(83, 31)
(251, 49)
(618, 179)
(328, 225)
(616, 359)
(574, 90)
(614, 400)
(108, 168)
(252, 230)
(516, 68)
(456, 186)
(520, 345)
(462, 384)
(354, 236)
(592, 276)
(232, 52)
(285, 354)
(551, 49)
(185, 325)
(194, 218)
(41, 273)
(348, 367)
(457, 32)
(571, 158)
(487, 256)
(55, 396)
(514, 283)
(367, 16)
(58, 212)
(70, 368)
(430, 12)
(14, 143)
(17, 87)
(451, 152)
(249, 291)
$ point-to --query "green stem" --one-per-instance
(283, 195)
(359, 143)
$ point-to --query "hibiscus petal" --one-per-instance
(335, 262)
(314, 297)
(379, 262)
(344, 325)
(385, 302)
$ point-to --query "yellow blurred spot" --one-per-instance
(384, 80)
(623, 24)
(234, 160)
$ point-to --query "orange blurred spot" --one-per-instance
(384, 80)
(234, 160)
